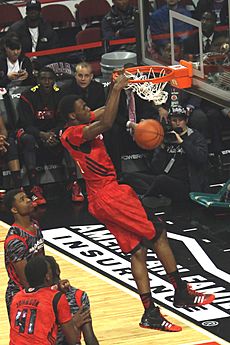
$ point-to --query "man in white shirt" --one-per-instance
(34, 32)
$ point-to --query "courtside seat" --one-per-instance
(212, 200)
(59, 16)
(90, 13)
(9, 14)
(93, 56)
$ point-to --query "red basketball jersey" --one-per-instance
(21, 244)
(91, 156)
(34, 316)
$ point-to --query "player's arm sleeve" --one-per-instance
(75, 135)
(63, 310)
(65, 320)
(16, 251)
(85, 300)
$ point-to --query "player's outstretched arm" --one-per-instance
(112, 103)
(106, 116)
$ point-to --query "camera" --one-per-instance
(170, 137)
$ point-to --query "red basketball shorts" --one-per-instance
(118, 207)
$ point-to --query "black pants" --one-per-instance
(12, 150)
(150, 185)
(33, 149)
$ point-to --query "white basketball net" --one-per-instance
(148, 91)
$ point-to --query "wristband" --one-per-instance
(128, 123)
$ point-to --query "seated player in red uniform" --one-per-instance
(37, 311)
(118, 207)
(23, 240)
(79, 303)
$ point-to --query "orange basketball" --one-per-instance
(149, 134)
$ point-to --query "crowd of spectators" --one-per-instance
(36, 130)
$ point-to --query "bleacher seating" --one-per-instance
(9, 14)
(90, 13)
(89, 35)
(59, 16)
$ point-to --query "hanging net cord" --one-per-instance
(147, 90)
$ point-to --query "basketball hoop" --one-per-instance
(149, 81)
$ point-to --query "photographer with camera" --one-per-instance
(180, 164)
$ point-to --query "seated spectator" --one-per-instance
(78, 301)
(91, 91)
(209, 35)
(9, 154)
(219, 7)
(39, 131)
(50, 309)
(166, 56)
(34, 32)
(15, 67)
(204, 116)
(197, 119)
(159, 23)
(180, 164)
(119, 22)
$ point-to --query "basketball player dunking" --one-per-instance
(118, 207)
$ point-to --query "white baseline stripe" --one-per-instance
(133, 294)
(200, 255)
(191, 229)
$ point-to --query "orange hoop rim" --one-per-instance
(145, 69)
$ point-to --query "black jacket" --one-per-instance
(207, 5)
(47, 38)
(26, 65)
(191, 44)
(37, 114)
(196, 151)
(93, 95)
(116, 20)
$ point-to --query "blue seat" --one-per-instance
(212, 200)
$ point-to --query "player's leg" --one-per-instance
(152, 317)
(184, 295)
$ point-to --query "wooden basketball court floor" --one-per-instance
(116, 310)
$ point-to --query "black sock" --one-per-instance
(147, 300)
(32, 175)
(72, 175)
(176, 280)
(16, 177)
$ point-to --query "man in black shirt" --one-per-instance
(91, 91)
(40, 130)
(179, 166)
(34, 32)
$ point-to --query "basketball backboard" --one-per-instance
(165, 39)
